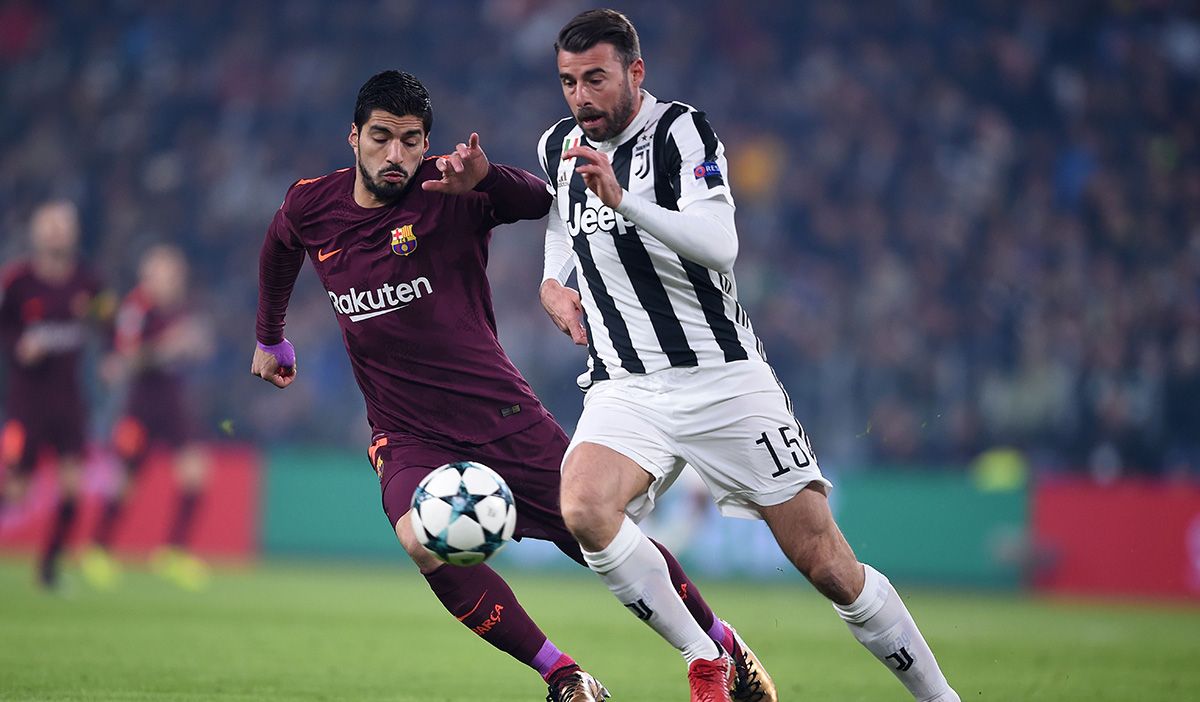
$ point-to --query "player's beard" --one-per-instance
(383, 190)
(613, 123)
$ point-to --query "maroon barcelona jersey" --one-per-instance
(140, 326)
(408, 285)
(57, 315)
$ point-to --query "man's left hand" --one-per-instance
(462, 170)
(597, 173)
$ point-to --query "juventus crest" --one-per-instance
(641, 160)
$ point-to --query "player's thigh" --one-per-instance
(169, 426)
(19, 457)
(65, 434)
(530, 461)
(740, 436)
(67, 430)
(400, 467)
(621, 456)
(191, 464)
(602, 477)
(70, 474)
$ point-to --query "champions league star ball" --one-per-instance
(463, 513)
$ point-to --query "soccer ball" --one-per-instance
(463, 513)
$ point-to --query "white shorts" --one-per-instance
(732, 423)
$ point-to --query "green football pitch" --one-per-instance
(334, 632)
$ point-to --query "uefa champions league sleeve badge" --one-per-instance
(404, 241)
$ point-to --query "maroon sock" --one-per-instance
(185, 514)
(108, 522)
(571, 549)
(479, 598)
(63, 519)
(690, 594)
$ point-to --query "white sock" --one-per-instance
(636, 573)
(881, 623)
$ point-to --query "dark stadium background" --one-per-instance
(962, 225)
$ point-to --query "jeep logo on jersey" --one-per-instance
(591, 220)
(366, 304)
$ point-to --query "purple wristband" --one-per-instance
(283, 352)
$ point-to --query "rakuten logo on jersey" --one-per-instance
(591, 220)
(366, 304)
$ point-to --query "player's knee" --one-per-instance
(597, 484)
(829, 564)
(585, 519)
(425, 560)
(70, 479)
(833, 578)
(191, 468)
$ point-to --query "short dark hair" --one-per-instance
(396, 92)
(594, 27)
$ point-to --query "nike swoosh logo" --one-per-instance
(321, 255)
(361, 317)
(485, 592)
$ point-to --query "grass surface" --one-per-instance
(325, 632)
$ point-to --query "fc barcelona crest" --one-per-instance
(404, 241)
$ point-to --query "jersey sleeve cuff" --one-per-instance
(489, 180)
(720, 192)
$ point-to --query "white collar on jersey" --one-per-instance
(639, 121)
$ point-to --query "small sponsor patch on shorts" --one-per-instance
(708, 168)
(510, 411)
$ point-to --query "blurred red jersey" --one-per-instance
(45, 406)
(156, 405)
(55, 316)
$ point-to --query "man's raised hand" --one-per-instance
(461, 170)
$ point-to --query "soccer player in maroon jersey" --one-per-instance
(400, 242)
(45, 306)
(157, 336)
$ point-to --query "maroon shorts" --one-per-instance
(153, 416)
(30, 432)
(529, 461)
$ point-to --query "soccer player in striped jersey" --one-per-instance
(644, 214)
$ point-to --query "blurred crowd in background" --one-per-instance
(963, 226)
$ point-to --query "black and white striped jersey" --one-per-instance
(647, 307)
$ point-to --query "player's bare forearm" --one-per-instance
(565, 310)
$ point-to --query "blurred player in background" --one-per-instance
(676, 374)
(400, 243)
(48, 304)
(157, 338)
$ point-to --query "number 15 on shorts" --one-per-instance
(790, 446)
